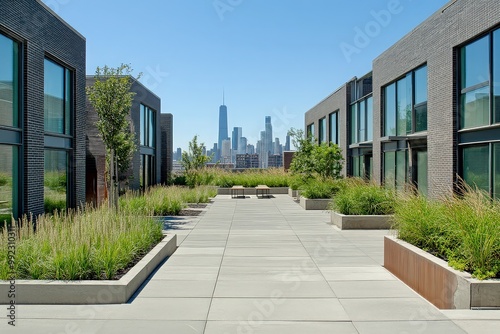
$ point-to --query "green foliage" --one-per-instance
(54, 202)
(163, 201)
(315, 188)
(55, 181)
(4, 179)
(311, 160)
(89, 244)
(360, 198)
(111, 98)
(461, 229)
(194, 160)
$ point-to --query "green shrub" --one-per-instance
(90, 244)
(464, 230)
(360, 198)
(320, 189)
(4, 179)
(55, 181)
(54, 202)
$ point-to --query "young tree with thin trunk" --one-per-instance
(111, 98)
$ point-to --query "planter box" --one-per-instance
(361, 222)
(251, 191)
(314, 204)
(90, 292)
(293, 193)
(437, 282)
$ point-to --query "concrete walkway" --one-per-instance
(264, 266)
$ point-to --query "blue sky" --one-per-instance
(274, 58)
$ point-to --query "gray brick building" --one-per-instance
(436, 105)
(42, 103)
(146, 166)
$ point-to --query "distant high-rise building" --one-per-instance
(250, 149)
(275, 161)
(222, 125)
(178, 154)
(242, 146)
(277, 145)
(237, 132)
(226, 151)
(262, 151)
(287, 143)
(269, 135)
(215, 153)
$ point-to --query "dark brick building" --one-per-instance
(435, 106)
(42, 103)
(146, 166)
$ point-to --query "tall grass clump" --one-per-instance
(361, 198)
(92, 244)
(164, 201)
(462, 229)
(321, 189)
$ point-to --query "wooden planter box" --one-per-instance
(361, 222)
(314, 204)
(437, 282)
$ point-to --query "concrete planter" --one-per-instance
(315, 204)
(90, 292)
(251, 191)
(293, 193)
(361, 222)
(434, 280)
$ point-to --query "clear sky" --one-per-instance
(275, 58)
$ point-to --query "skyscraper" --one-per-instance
(269, 136)
(287, 143)
(236, 138)
(222, 125)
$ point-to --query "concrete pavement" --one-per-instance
(264, 266)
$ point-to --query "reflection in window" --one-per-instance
(322, 130)
(475, 108)
(395, 164)
(9, 176)
(475, 170)
(334, 128)
(57, 98)
(55, 180)
(422, 172)
(310, 131)
(390, 110)
(390, 169)
(362, 121)
(148, 126)
(9, 82)
(475, 63)
(496, 75)
(496, 170)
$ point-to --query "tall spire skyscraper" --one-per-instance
(222, 126)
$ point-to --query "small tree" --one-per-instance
(111, 98)
(193, 160)
(301, 163)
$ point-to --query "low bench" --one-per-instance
(235, 191)
(263, 189)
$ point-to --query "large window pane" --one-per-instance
(55, 180)
(362, 121)
(390, 110)
(9, 114)
(322, 130)
(151, 128)
(496, 75)
(54, 97)
(369, 119)
(400, 169)
(356, 169)
(403, 106)
(422, 182)
(334, 128)
(421, 85)
(476, 166)
(310, 131)
(142, 113)
(354, 123)
(9, 177)
(389, 169)
(475, 63)
(475, 107)
(421, 117)
(496, 170)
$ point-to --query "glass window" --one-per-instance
(421, 85)
(334, 128)
(476, 166)
(9, 76)
(422, 182)
(369, 118)
(322, 130)
(57, 98)
(9, 176)
(362, 121)
(390, 110)
(475, 108)
(354, 123)
(421, 117)
(496, 170)
(475, 63)
(389, 169)
(310, 131)
(496, 75)
(356, 168)
(143, 124)
(55, 180)
(151, 128)
(400, 169)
